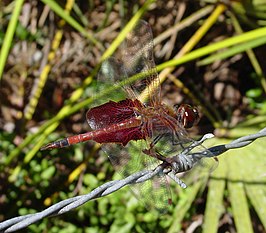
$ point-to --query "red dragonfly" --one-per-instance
(131, 129)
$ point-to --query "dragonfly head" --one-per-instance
(187, 115)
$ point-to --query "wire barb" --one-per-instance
(180, 163)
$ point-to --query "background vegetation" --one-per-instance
(209, 54)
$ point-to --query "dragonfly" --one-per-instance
(137, 133)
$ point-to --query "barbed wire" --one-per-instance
(179, 163)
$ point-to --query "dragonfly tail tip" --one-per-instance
(46, 147)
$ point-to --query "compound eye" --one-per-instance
(187, 115)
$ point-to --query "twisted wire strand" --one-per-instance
(182, 162)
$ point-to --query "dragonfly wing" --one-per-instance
(111, 76)
(170, 142)
(153, 193)
(111, 113)
(137, 55)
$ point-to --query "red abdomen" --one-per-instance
(120, 133)
(116, 122)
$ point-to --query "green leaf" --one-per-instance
(48, 173)
(70, 20)
(9, 35)
(215, 206)
(184, 205)
(254, 93)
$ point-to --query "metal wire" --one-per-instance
(180, 163)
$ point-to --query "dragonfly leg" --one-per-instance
(156, 139)
(176, 140)
(151, 152)
(167, 161)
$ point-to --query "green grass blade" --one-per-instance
(255, 181)
(187, 200)
(195, 54)
(233, 51)
(237, 196)
(251, 55)
(183, 207)
(215, 205)
(256, 194)
(71, 21)
(9, 35)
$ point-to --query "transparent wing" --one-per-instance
(110, 80)
(154, 193)
(169, 142)
(135, 57)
